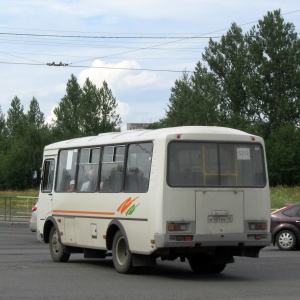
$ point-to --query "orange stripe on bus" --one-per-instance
(83, 212)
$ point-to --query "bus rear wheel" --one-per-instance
(121, 255)
(57, 251)
(203, 265)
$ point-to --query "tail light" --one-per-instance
(258, 225)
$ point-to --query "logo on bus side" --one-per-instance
(126, 206)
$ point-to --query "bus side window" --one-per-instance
(112, 168)
(116, 178)
(138, 167)
(66, 169)
(87, 176)
(131, 181)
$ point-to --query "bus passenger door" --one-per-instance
(46, 190)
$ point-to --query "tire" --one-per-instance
(121, 255)
(57, 250)
(286, 240)
(200, 265)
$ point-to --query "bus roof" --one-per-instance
(208, 132)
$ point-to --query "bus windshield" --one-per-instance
(202, 164)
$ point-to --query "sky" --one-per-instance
(139, 47)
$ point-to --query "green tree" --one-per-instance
(37, 136)
(67, 123)
(2, 124)
(15, 160)
(229, 66)
(86, 111)
(17, 171)
(98, 109)
(204, 106)
(3, 149)
(109, 120)
(34, 115)
(283, 151)
(180, 103)
(16, 119)
(193, 100)
(27, 136)
(274, 80)
(3, 131)
(89, 109)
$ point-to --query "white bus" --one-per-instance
(191, 193)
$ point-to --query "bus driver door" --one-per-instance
(47, 185)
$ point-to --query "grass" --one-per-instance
(30, 193)
(282, 195)
(10, 205)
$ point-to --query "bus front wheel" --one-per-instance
(121, 255)
(57, 251)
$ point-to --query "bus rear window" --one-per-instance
(193, 164)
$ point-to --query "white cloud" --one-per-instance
(123, 109)
(117, 75)
(52, 117)
(141, 79)
(61, 88)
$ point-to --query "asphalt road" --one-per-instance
(28, 272)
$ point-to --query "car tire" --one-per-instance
(286, 240)
(57, 250)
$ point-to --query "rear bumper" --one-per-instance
(214, 240)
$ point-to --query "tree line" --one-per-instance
(23, 135)
(248, 81)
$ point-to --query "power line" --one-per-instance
(178, 40)
(9, 54)
(101, 46)
(136, 33)
(94, 67)
(152, 47)
(106, 37)
(92, 57)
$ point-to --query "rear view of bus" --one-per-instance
(216, 199)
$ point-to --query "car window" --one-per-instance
(293, 211)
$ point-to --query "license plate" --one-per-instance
(220, 219)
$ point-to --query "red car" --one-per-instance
(285, 227)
